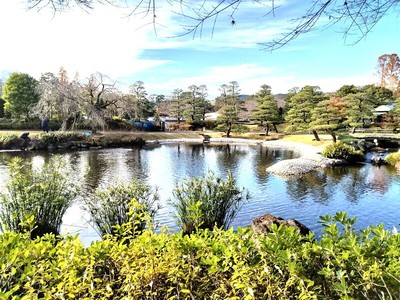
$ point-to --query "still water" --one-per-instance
(369, 192)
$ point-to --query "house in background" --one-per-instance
(381, 112)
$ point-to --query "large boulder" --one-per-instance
(264, 223)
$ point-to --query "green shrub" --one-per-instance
(60, 137)
(112, 207)
(44, 194)
(207, 202)
(393, 159)
(342, 264)
(342, 151)
(5, 137)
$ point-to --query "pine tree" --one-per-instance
(266, 112)
(301, 106)
(231, 106)
(326, 117)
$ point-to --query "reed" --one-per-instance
(112, 207)
(45, 194)
(206, 202)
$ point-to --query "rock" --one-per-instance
(66, 145)
(263, 224)
(95, 148)
(365, 145)
(377, 160)
(14, 144)
(51, 147)
(36, 145)
(24, 135)
(293, 167)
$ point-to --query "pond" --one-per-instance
(369, 192)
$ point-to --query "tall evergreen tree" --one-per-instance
(177, 107)
(302, 104)
(326, 117)
(358, 110)
(266, 112)
(194, 103)
(231, 106)
(141, 107)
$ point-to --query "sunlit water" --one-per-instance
(371, 193)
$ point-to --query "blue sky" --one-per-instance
(107, 41)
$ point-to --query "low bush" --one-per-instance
(343, 151)
(60, 137)
(110, 207)
(393, 159)
(207, 202)
(218, 264)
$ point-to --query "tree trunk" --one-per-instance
(276, 129)
(353, 130)
(333, 136)
(266, 130)
(316, 135)
(228, 131)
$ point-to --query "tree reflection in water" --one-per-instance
(369, 192)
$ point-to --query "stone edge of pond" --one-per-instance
(310, 156)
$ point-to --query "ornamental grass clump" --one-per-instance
(343, 151)
(114, 206)
(206, 202)
(44, 193)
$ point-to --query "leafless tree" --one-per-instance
(388, 70)
(71, 101)
(358, 17)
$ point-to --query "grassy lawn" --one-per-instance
(326, 139)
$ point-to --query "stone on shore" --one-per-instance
(264, 223)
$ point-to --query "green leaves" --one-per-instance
(342, 151)
(217, 264)
(112, 208)
(43, 193)
(207, 202)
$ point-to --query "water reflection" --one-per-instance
(366, 191)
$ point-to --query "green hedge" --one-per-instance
(218, 264)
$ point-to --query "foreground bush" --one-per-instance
(218, 264)
(207, 202)
(110, 207)
(342, 151)
(45, 194)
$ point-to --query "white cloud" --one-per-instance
(249, 76)
(37, 42)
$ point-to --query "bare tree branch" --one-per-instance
(357, 17)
